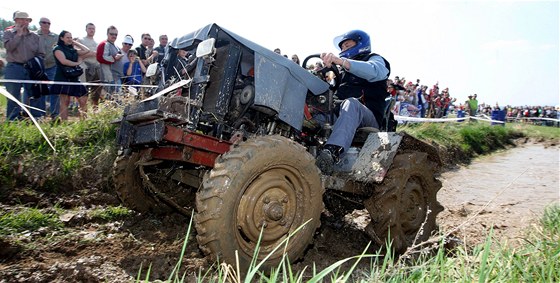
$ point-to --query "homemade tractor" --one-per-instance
(232, 133)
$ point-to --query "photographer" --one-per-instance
(133, 70)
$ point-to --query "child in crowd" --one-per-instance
(133, 70)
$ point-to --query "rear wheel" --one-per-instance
(269, 183)
(404, 207)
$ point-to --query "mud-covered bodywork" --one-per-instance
(233, 132)
(377, 153)
(243, 88)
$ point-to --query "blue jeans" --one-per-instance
(14, 71)
(54, 99)
(353, 115)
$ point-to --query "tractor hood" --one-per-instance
(311, 82)
(280, 84)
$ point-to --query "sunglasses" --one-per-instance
(46, 23)
(113, 34)
(128, 44)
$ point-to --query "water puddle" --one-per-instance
(525, 179)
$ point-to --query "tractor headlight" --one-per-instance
(206, 48)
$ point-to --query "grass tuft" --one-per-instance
(111, 213)
(27, 219)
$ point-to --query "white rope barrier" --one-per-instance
(534, 118)
(72, 83)
(466, 118)
(443, 120)
(435, 120)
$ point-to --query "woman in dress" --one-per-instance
(67, 56)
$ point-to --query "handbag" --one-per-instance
(36, 68)
(72, 72)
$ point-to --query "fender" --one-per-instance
(375, 157)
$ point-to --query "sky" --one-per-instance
(507, 52)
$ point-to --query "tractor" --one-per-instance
(231, 134)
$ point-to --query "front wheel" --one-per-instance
(269, 183)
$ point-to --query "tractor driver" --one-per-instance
(363, 88)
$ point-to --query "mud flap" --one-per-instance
(376, 157)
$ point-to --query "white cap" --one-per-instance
(128, 39)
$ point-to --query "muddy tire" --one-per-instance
(152, 193)
(270, 181)
(404, 207)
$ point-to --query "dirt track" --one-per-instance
(91, 250)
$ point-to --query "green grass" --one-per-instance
(28, 219)
(111, 213)
(537, 132)
(478, 137)
(24, 152)
(3, 102)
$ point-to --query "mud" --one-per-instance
(506, 191)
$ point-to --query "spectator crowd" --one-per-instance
(109, 65)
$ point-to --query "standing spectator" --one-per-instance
(151, 53)
(161, 48)
(133, 69)
(49, 40)
(422, 102)
(473, 105)
(143, 48)
(21, 46)
(67, 56)
(107, 55)
(91, 66)
(277, 51)
(127, 43)
(445, 102)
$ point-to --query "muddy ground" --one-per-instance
(90, 249)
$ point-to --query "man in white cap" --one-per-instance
(21, 46)
(127, 43)
(91, 66)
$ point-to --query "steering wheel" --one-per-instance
(323, 72)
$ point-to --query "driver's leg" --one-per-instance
(353, 115)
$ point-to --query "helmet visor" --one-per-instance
(337, 41)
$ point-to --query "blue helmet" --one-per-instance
(363, 44)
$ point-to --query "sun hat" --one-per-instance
(21, 15)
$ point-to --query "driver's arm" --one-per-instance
(372, 70)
